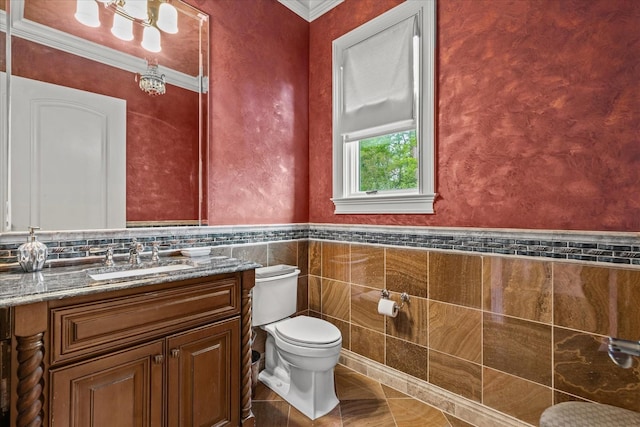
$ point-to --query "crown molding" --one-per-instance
(310, 9)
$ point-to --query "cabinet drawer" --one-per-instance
(89, 328)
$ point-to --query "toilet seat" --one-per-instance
(308, 331)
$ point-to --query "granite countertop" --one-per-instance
(17, 287)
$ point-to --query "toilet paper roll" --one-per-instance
(387, 307)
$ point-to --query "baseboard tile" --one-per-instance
(451, 403)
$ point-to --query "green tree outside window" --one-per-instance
(389, 162)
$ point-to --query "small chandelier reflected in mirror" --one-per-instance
(151, 81)
(154, 15)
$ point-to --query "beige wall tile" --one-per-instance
(522, 399)
(456, 375)
(303, 257)
(315, 258)
(315, 293)
(367, 266)
(412, 322)
(583, 368)
(303, 294)
(456, 279)
(255, 253)
(364, 308)
(283, 253)
(221, 251)
(406, 271)
(455, 330)
(335, 261)
(512, 340)
(519, 347)
(518, 287)
(368, 343)
(336, 299)
(407, 357)
(601, 300)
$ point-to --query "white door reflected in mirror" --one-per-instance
(82, 137)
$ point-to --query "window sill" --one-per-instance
(413, 204)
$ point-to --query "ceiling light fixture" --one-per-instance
(153, 15)
(151, 81)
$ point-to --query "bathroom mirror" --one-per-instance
(3, 110)
(60, 171)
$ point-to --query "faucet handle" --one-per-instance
(134, 251)
(155, 250)
(108, 251)
(136, 247)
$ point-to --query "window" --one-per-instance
(383, 108)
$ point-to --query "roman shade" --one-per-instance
(378, 82)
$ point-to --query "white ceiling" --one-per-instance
(310, 9)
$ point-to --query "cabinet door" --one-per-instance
(204, 376)
(124, 389)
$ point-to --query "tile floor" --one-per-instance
(363, 402)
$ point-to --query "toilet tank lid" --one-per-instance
(304, 329)
(274, 270)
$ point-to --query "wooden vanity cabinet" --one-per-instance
(163, 355)
(201, 389)
(122, 389)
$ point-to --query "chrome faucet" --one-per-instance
(155, 250)
(108, 251)
(134, 251)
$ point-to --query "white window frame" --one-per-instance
(347, 201)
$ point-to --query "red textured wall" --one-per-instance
(162, 132)
(258, 152)
(538, 122)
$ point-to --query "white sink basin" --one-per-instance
(139, 272)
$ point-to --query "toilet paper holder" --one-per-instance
(404, 297)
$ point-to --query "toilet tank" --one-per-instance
(275, 294)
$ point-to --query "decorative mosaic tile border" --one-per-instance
(77, 244)
(616, 248)
(602, 247)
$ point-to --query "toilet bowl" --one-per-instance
(301, 352)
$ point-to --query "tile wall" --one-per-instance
(515, 334)
(509, 321)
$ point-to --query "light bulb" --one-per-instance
(122, 28)
(136, 9)
(168, 18)
(87, 13)
(151, 39)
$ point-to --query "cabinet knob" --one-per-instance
(158, 359)
(175, 352)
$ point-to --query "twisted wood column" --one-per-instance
(248, 280)
(30, 354)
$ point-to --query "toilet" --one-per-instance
(301, 352)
